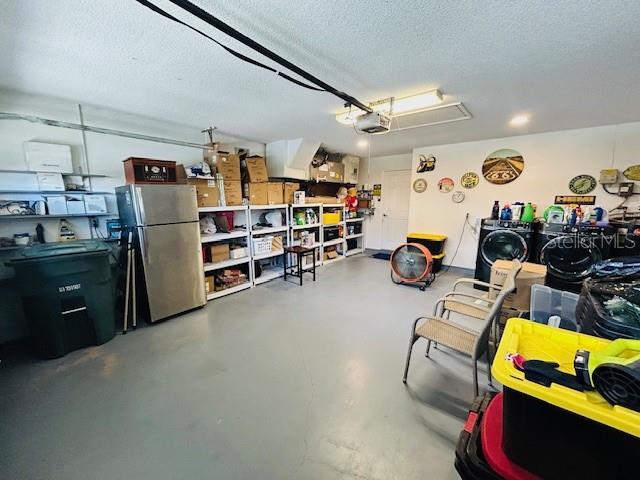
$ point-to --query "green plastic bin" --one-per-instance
(67, 295)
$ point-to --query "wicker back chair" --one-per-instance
(440, 330)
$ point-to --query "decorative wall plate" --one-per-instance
(419, 185)
(632, 173)
(445, 185)
(582, 184)
(457, 197)
(469, 180)
(502, 166)
(426, 163)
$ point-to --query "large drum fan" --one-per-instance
(411, 263)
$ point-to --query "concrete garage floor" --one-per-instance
(276, 382)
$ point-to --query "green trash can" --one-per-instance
(67, 295)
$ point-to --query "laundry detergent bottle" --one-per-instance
(506, 212)
(527, 213)
(495, 211)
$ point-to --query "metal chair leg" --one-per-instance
(475, 377)
(406, 366)
(426, 353)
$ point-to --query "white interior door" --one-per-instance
(395, 207)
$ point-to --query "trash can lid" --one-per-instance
(49, 250)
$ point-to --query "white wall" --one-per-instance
(371, 172)
(105, 152)
(551, 160)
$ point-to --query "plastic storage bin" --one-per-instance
(434, 242)
(557, 432)
(67, 295)
(547, 302)
(331, 218)
(437, 262)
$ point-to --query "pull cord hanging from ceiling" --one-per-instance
(223, 27)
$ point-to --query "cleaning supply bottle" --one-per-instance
(573, 217)
(495, 211)
(506, 212)
(527, 213)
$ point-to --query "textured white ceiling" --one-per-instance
(568, 64)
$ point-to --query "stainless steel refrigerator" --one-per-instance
(166, 228)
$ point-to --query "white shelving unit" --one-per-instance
(357, 225)
(314, 228)
(241, 217)
(338, 243)
(273, 269)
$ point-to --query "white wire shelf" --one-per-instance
(217, 237)
(333, 260)
(354, 251)
(306, 205)
(74, 215)
(302, 227)
(355, 235)
(273, 253)
(222, 209)
(335, 241)
(227, 263)
(228, 291)
(268, 207)
(357, 219)
(269, 275)
(262, 231)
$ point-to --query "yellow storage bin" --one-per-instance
(433, 241)
(541, 342)
(331, 218)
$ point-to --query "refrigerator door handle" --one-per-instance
(144, 248)
(140, 207)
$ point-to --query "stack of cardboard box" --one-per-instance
(261, 190)
(228, 166)
(519, 300)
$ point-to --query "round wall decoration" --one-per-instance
(445, 185)
(582, 184)
(469, 180)
(632, 172)
(502, 166)
(457, 197)
(419, 185)
(426, 163)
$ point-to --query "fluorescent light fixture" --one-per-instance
(519, 120)
(362, 143)
(395, 107)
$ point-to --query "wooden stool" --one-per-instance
(300, 253)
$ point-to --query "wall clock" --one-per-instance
(502, 166)
(445, 185)
(419, 185)
(582, 184)
(457, 197)
(469, 180)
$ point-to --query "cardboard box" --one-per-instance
(232, 193)
(51, 182)
(75, 206)
(57, 205)
(257, 169)
(277, 243)
(219, 252)
(530, 274)
(209, 284)
(239, 252)
(321, 200)
(289, 189)
(48, 157)
(275, 193)
(228, 166)
(327, 172)
(207, 192)
(258, 193)
(95, 204)
(299, 197)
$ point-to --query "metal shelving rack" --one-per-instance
(359, 237)
(220, 237)
(339, 243)
(315, 227)
(255, 211)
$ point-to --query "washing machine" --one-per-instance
(503, 240)
(570, 252)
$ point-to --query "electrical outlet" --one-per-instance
(94, 222)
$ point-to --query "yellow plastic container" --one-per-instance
(433, 241)
(330, 218)
(541, 342)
